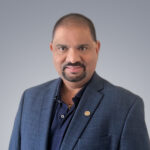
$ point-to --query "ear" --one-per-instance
(51, 46)
(98, 45)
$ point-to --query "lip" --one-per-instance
(74, 68)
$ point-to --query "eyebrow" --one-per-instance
(83, 45)
(61, 45)
(80, 45)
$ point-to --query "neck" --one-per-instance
(68, 91)
(71, 90)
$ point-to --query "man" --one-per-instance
(80, 110)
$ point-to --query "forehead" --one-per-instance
(72, 33)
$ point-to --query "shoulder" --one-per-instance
(42, 88)
(120, 97)
(116, 94)
(120, 102)
(118, 90)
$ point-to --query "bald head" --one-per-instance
(74, 19)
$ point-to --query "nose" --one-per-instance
(73, 56)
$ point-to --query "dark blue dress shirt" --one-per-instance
(62, 116)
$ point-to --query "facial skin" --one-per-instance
(75, 54)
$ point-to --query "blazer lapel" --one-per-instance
(45, 116)
(84, 112)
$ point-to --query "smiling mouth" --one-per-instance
(74, 72)
(74, 69)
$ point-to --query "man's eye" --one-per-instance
(82, 48)
(62, 48)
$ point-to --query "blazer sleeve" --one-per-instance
(15, 140)
(135, 134)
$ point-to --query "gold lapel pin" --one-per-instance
(87, 113)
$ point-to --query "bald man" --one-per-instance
(80, 110)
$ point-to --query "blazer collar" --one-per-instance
(91, 98)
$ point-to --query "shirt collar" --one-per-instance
(75, 99)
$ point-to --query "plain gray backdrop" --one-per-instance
(123, 27)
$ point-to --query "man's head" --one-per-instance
(75, 19)
(75, 48)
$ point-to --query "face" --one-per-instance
(75, 53)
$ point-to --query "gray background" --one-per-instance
(123, 27)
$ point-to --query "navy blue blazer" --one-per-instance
(115, 122)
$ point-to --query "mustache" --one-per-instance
(74, 64)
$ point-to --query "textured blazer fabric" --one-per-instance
(107, 118)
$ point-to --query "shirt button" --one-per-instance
(62, 116)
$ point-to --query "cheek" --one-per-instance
(91, 62)
(57, 64)
(58, 61)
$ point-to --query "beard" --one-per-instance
(74, 77)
